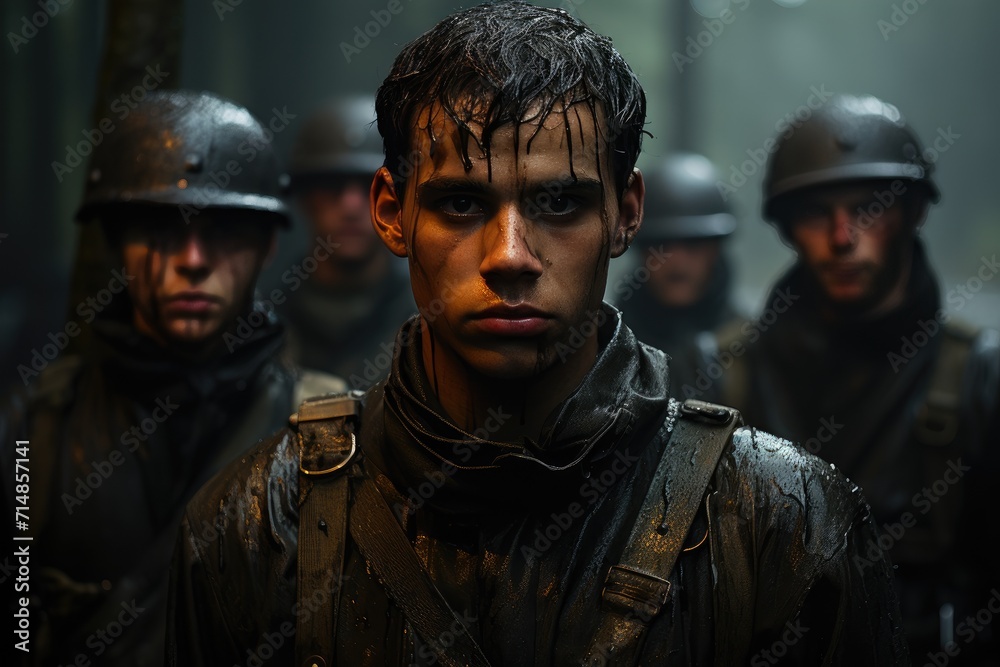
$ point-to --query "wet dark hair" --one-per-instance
(510, 63)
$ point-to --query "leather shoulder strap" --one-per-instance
(387, 550)
(638, 588)
(326, 428)
(938, 417)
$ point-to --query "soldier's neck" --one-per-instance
(507, 410)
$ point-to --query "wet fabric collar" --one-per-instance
(625, 393)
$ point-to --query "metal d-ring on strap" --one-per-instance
(326, 428)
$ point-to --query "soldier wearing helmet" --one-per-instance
(343, 318)
(687, 290)
(186, 370)
(866, 369)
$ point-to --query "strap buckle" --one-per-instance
(326, 426)
(630, 591)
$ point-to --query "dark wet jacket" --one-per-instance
(349, 332)
(120, 439)
(861, 395)
(777, 569)
(675, 329)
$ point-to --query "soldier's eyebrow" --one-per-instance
(441, 185)
(579, 186)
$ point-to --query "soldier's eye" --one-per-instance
(460, 205)
(561, 205)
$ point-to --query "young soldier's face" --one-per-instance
(192, 280)
(509, 258)
(853, 246)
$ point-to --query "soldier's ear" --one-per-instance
(629, 214)
(387, 212)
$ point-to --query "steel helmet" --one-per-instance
(338, 139)
(683, 201)
(849, 138)
(185, 148)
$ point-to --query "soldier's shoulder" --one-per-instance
(255, 490)
(781, 480)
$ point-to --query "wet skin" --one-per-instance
(192, 280)
(860, 260)
(507, 264)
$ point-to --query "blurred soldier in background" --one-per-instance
(865, 368)
(343, 319)
(185, 374)
(688, 292)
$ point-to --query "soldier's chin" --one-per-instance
(193, 333)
